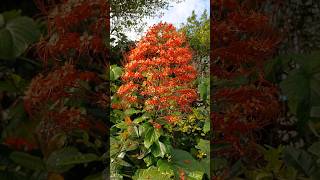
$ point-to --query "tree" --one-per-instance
(129, 14)
(198, 34)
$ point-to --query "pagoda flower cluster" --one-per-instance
(66, 33)
(158, 75)
(243, 40)
(46, 97)
(54, 86)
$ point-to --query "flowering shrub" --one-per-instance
(158, 75)
(153, 113)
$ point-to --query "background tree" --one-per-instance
(197, 30)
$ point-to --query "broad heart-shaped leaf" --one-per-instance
(302, 85)
(64, 159)
(152, 173)
(151, 136)
(183, 159)
(16, 35)
(301, 160)
(165, 167)
(28, 161)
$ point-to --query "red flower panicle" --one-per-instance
(66, 35)
(158, 74)
(53, 86)
(61, 120)
(243, 40)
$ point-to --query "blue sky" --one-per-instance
(176, 14)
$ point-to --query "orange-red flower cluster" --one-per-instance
(158, 74)
(54, 86)
(66, 35)
(243, 40)
(61, 120)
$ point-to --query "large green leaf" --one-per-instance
(165, 167)
(302, 86)
(159, 149)
(64, 159)
(16, 34)
(184, 160)
(151, 136)
(27, 160)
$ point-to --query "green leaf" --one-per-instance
(195, 175)
(151, 173)
(159, 149)
(16, 35)
(7, 86)
(203, 89)
(184, 160)
(115, 146)
(302, 86)
(300, 159)
(315, 149)
(64, 159)
(2, 22)
(144, 117)
(131, 145)
(6, 175)
(79, 159)
(204, 146)
(131, 111)
(165, 167)
(149, 160)
(151, 136)
(206, 126)
(115, 72)
(264, 176)
(122, 162)
(9, 15)
(27, 160)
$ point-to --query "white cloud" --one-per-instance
(176, 14)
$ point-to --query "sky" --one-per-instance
(176, 14)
